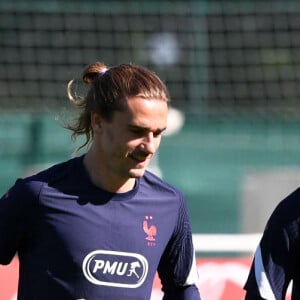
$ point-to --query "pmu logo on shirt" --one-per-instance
(114, 268)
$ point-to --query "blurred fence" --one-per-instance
(217, 57)
(232, 68)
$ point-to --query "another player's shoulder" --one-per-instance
(288, 210)
(291, 201)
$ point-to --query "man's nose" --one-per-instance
(149, 143)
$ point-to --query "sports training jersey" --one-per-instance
(77, 241)
(277, 258)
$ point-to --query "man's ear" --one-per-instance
(96, 121)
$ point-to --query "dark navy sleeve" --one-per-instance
(14, 206)
(268, 278)
(177, 269)
(276, 259)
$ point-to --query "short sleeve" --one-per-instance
(177, 269)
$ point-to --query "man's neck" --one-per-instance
(100, 179)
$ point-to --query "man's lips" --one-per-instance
(139, 158)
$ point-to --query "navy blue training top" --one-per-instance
(277, 259)
(77, 241)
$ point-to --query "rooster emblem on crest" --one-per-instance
(149, 230)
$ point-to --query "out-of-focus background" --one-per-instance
(232, 68)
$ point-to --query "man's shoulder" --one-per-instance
(50, 174)
(156, 182)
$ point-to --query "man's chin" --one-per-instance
(137, 173)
